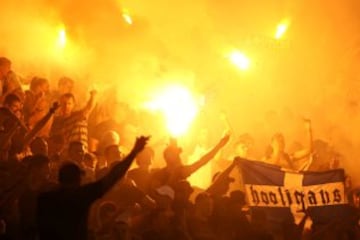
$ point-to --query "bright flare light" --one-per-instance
(62, 38)
(281, 29)
(178, 107)
(127, 17)
(240, 60)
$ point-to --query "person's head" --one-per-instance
(107, 213)
(65, 85)
(5, 67)
(145, 157)
(183, 190)
(172, 155)
(223, 186)
(70, 175)
(38, 166)
(112, 154)
(243, 145)
(204, 205)
(76, 151)
(14, 104)
(67, 103)
(237, 201)
(164, 197)
(278, 142)
(39, 85)
(39, 146)
(90, 161)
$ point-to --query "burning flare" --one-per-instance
(62, 37)
(281, 29)
(178, 107)
(126, 16)
(240, 60)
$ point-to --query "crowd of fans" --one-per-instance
(56, 184)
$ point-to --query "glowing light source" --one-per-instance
(62, 37)
(178, 107)
(126, 16)
(240, 60)
(281, 29)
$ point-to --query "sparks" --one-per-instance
(178, 107)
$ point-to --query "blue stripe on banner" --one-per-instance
(314, 178)
(259, 173)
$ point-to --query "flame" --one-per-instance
(281, 29)
(240, 60)
(62, 37)
(126, 16)
(178, 106)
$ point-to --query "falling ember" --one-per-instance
(281, 29)
(240, 60)
(178, 107)
(62, 37)
(127, 17)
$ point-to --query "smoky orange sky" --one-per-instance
(311, 72)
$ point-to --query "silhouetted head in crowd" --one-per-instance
(38, 166)
(90, 161)
(145, 158)
(70, 175)
(164, 197)
(39, 146)
(109, 146)
(223, 186)
(5, 67)
(39, 85)
(237, 201)
(65, 85)
(204, 205)
(112, 154)
(243, 145)
(14, 104)
(183, 190)
(172, 154)
(76, 152)
(67, 104)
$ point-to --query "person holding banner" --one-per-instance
(276, 154)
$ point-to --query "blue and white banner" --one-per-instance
(284, 194)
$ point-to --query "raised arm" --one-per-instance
(222, 177)
(190, 169)
(39, 125)
(90, 104)
(120, 169)
(309, 148)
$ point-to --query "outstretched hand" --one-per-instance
(224, 140)
(54, 107)
(140, 143)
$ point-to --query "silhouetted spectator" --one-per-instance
(142, 174)
(62, 214)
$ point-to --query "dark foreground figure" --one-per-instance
(63, 213)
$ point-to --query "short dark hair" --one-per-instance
(4, 61)
(37, 81)
(68, 96)
(10, 99)
(65, 80)
(70, 173)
